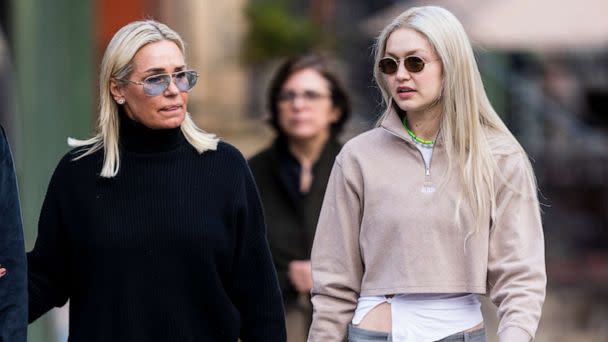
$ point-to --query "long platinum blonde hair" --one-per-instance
(467, 113)
(117, 64)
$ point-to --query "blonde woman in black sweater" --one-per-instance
(153, 229)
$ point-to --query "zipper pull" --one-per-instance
(428, 186)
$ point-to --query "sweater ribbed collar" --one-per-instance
(136, 137)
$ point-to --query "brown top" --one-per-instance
(382, 231)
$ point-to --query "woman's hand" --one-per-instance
(300, 275)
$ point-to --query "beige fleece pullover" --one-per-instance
(381, 231)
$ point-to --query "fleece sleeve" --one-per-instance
(516, 264)
(337, 268)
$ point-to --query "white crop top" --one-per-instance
(425, 317)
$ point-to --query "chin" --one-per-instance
(167, 124)
(302, 135)
(172, 122)
(408, 106)
(403, 106)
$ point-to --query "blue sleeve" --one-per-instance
(13, 286)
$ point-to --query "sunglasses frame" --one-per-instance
(172, 75)
(397, 61)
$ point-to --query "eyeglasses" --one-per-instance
(308, 96)
(156, 84)
(389, 65)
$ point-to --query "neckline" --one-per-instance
(424, 142)
(282, 151)
(392, 123)
(136, 137)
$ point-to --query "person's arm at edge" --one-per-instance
(13, 286)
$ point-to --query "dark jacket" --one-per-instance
(13, 286)
(291, 217)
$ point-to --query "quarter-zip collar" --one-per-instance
(393, 124)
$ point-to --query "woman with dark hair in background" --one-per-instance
(153, 229)
(308, 107)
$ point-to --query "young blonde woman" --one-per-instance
(434, 207)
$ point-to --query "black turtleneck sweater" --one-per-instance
(171, 249)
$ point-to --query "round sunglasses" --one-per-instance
(389, 65)
(156, 84)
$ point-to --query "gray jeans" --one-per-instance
(362, 335)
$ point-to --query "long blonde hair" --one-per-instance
(467, 113)
(117, 64)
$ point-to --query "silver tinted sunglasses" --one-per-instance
(156, 84)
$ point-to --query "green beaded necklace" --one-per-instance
(413, 135)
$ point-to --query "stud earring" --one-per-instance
(120, 100)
